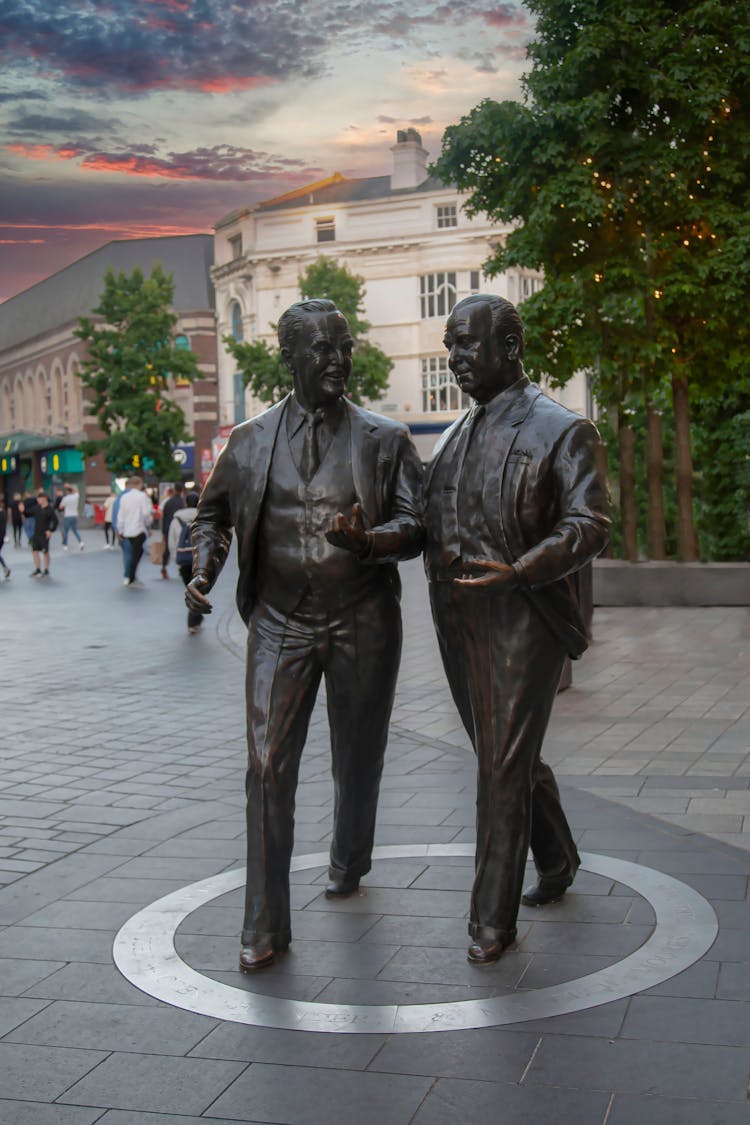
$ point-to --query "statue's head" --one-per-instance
(316, 346)
(485, 340)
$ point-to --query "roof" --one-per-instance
(75, 290)
(337, 189)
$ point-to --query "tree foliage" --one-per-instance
(625, 172)
(131, 357)
(265, 372)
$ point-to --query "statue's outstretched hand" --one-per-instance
(195, 598)
(350, 534)
(490, 574)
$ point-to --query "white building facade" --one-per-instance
(419, 252)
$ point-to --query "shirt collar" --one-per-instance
(498, 405)
(297, 415)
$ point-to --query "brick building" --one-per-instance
(42, 402)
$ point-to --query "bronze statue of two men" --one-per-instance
(512, 506)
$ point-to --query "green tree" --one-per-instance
(265, 372)
(131, 357)
(626, 174)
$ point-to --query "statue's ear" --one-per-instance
(286, 355)
(512, 346)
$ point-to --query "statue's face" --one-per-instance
(321, 359)
(481, 364)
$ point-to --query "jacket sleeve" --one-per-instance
(212, 527)
(402, 536)
(582, 528)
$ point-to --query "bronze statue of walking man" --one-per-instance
(319, 592)
(514, 506)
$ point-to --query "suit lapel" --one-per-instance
(364, 461)
(442, 443)
(264, 430)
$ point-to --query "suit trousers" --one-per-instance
(357, 650)
(503, 667)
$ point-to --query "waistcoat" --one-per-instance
(295, 560)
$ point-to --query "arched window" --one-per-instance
(28, 402)
(58, 398)
(75, 396)
(237, 329)
(6, 413)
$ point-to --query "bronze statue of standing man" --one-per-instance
(515, 505)
(319, 592)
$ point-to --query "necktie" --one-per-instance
(451, 536)
(310, 456)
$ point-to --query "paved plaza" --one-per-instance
(122, 841)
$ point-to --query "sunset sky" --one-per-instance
(129, 118)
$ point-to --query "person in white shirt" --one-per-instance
(134, 518)
(69, 509)
(109, 504)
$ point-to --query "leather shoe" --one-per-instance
(254, 957)
(485, 952)
(545, 891)
(342, 888)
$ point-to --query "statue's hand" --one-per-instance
(490, 574)
(195, 599)
(350, 535)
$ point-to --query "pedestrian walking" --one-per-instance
(134, 519)
(69, 509)
(175, 503)
(29, 509)
(45, 522)
(16, 517)
(124, 543)
(109, 530)
(181, 550)
(3, 529)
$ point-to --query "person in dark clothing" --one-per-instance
(3, 526)
(16, 518)
(174, 504)
(29, 510)
(45, 522)
(183, 518)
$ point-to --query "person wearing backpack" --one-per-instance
(179, 544)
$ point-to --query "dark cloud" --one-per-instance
(209, 45)
(64, 121)
(219, 162)
(22, 96)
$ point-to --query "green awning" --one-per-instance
(23, 441)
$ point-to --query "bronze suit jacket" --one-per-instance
(387, 480)
(545, 504)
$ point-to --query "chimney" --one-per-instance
(409, 160)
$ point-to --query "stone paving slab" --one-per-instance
(131, 788)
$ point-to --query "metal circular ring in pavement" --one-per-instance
(144, 952)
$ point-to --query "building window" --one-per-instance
(239, 398)
(447, 216)
(439, 392)
(235, 246)
(527, 286)
(437, 294)
(238, 331)
(474, 281)
(325, 230)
